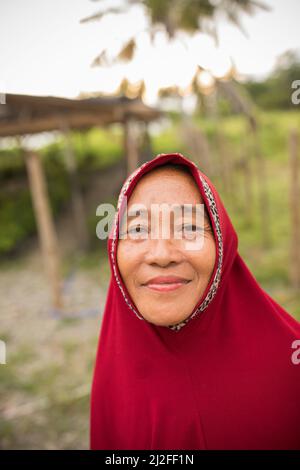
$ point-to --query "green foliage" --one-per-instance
(275, 92)
(168, 141)
(93, 150)
(11, 164)
(16, 219)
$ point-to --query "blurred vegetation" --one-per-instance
(94, 150)
(275, 91)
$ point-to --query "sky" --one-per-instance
(44, 50)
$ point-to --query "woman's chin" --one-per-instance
(164, 318)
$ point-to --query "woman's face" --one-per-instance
(183, 273)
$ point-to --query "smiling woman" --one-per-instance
(193, 353)
(164, 278)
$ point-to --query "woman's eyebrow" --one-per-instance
(133, 214)
(191, 208)
(186, 209)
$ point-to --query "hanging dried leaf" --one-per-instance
(127, 52)
(101, 60)
(99, 15)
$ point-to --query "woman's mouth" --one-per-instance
(166, 283)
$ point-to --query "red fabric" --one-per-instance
(225, 380)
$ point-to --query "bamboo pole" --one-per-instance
(76, 194)
(146, 151)
(262, 181)
(222, 155)
(197, 144)
(45, 225)
(225, 164)
(130, 146)
(294, 208)
(247, 183)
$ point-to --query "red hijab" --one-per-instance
(223, 379)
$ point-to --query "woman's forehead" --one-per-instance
(166, 184)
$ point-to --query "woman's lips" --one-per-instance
(166, 283)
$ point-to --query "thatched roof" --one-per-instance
(25, 114)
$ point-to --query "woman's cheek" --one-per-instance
(128, 259)
(204, 260)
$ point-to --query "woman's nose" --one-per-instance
(163, 252)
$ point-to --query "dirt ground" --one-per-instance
(45, 383)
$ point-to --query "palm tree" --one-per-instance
(174, 16)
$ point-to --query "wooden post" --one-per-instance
(224, 163)
(247, 182)
(197, 145)
(262, 181)
(145, 147)
(130, 145)
(45, 225)
(76, 195)
(295, 209)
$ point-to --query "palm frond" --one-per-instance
(100, 60)
(127, 52)
(100, 14)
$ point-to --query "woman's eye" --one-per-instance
(137, 230)
(191, 228)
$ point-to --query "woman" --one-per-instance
(193, 353)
